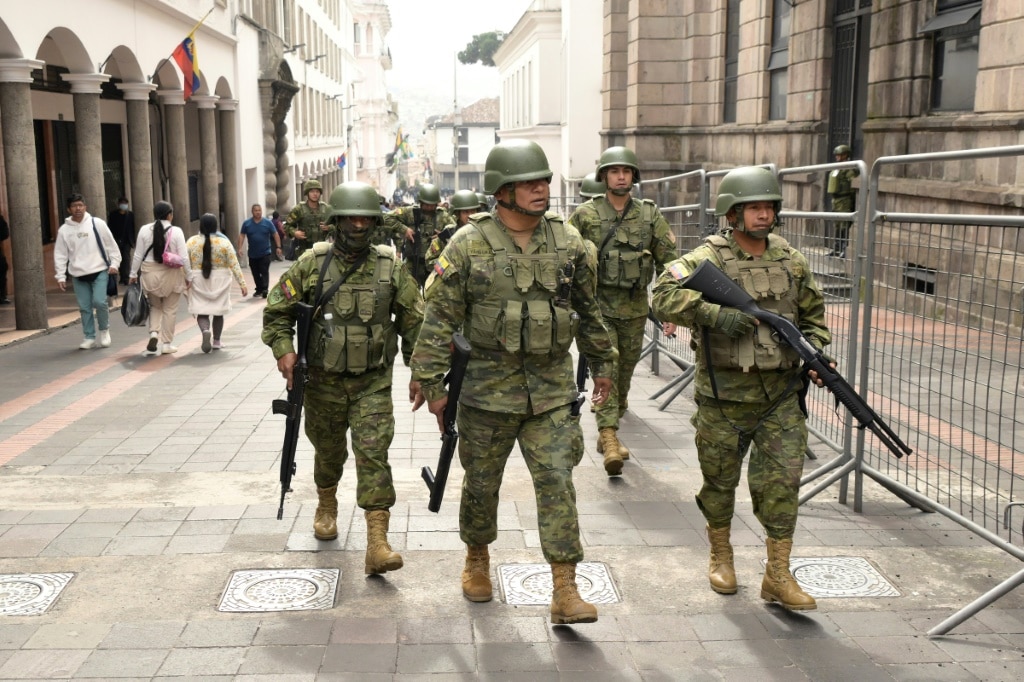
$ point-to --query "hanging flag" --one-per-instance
(341, 161)
(188, 62)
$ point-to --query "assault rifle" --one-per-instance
(582, 368)
(291, 408)
(716, 287)
(450, 438)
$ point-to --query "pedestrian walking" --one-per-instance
(264, 244)
(85, 250)
(215, 267)
(363, 299)
(633, 242)
(162, 264)
(749, 386)
(122, 225)
(518, 284)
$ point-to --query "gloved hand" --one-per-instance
(732, 322)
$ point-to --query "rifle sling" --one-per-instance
(320, 300)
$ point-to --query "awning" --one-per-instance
(957, 17)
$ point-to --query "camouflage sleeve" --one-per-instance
(810, 304)
(407, 308)
(671, 302)
(592, 338)
(291, 221)
(586, 220)
(279, 314)
(663, 246)
(394, 225)
(433, 251)
(445, 312)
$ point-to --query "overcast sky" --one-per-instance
(426, 35)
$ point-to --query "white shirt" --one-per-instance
(76, 252)
(175, 240)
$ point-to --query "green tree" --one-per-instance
(482, 48)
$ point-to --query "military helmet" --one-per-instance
(514, 161)
(842, 149)
(592, 187)
(311, 184)
(482, 198)
(429, 194)
(744, 185)
(618, 156)
(355, 198)
(464, 200)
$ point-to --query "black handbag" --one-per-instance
(134, 306)
(111, 281)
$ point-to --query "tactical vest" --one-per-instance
(840, 182)
(771, 285)
(525, 308)
(361, 337)
(625, 260)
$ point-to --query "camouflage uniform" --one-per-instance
(758, 380)
(844, 197)
(349, 390)
(642, 244)
(519, 384)
(438, 243)
(307, 220)
(425, 227)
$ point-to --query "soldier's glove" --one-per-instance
(730, 321)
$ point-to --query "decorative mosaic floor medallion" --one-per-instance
(293, 589)
(30, 594)
(530, 584)
(839, 576)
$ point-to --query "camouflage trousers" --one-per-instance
(371, 421)
(628, 336)
(552, 444)
(777, 450)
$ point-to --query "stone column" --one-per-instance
(174, 151)
(23, 209)
(210, 175)
(85, 94)
(229, 162)
(140, 151)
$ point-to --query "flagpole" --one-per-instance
(196, 27)
(189, 34)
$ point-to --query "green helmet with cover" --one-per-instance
(514, 161)
(744, 185)
(842, 149)
(429, 194)
(592, 187)
(483, 200)
(618, 156)
(311, 184)
(464, 200)
(354, 198)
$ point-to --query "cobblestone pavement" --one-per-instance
(137, 494)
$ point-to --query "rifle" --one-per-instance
(716, 287)
(291, 408)
(582, 368)
(450, 438)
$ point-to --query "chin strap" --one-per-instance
(513, 206)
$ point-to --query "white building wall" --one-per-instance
(581, 62)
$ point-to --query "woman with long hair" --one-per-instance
(163, 283)
(210, 296)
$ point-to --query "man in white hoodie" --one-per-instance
(86, 250)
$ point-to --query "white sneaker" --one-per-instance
(88, 344)
(105, 338)
(168, 349)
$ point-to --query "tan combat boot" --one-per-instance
(325, 521)
(566, 605)
(779, 585)
(379, 557)
(721, 573)
(608, 443)
(476, 576)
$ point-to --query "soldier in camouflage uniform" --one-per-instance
(633, 240)
(363, 299)
(306, 223)
(749, 386)
(464, 204)
(844, 197)
(518, 282)
(413, 227)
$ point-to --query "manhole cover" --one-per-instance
(298, 589)
(30, 594)
(839, 576)
(530, 584)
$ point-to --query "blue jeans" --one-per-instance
(92, 295)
